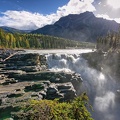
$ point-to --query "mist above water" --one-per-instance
(100, 88)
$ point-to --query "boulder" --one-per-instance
(30, 68)
(0, 101)
(14, 95)
(34, 87)
(42, 93)
(76, 81)
(67, 90)
(64, 86)
(52, 92)
(52, 89)
(9, 81)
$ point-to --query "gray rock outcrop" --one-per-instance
(25, 76)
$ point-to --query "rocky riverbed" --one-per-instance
(26, 76)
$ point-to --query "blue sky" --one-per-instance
(33, 14)
(41, 6)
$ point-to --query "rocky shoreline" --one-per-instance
(26, 76)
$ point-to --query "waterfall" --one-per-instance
(100, 88)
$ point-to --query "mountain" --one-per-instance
(81, 27)
(13, 30)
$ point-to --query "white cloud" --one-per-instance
(105, 16)
(75, 7)
(26, 20)
(114, 3)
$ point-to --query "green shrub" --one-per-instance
(54, 110)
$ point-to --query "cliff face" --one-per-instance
(107, 62)
(81, 27)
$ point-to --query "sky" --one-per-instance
(34, 14)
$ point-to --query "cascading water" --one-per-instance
(99, 87)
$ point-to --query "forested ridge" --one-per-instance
(38, 41)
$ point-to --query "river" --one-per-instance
(101, 88)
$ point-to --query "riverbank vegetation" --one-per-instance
(38, 41)
(55, 110)
(109, 42)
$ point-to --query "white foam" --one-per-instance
(105, 102)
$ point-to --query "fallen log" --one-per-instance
(10, 56)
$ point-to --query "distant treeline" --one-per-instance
(38, 41)
(109, 42)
